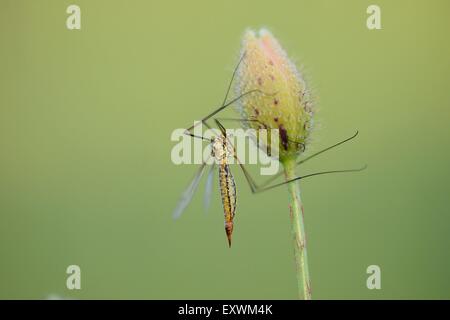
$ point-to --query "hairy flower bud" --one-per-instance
(284, 102)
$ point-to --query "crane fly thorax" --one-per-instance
(221, 149)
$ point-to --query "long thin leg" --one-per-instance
(307, 158)
(256, 189)
(253, 186)
(232, 78)
(256, 120)
(195, 136)
(238, 120)
(260, 188)
(310, 157)
(224, 102)
(265, 183)
(328, 148)
(228, 104)
(188, 133)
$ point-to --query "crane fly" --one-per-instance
(221, 150)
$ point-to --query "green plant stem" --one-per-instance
(298, 231)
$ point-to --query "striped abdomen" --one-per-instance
(228, 192)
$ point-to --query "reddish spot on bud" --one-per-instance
(275, 119)
(275, 102)
(284, 137)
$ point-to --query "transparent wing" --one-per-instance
(209, 188)
(186, 196)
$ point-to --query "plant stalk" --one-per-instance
(298, 231)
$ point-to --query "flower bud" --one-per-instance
(283, 101)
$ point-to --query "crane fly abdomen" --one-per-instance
(228, 192)
(221, 150)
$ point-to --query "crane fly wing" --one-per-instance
(187, 195)
(209, 188)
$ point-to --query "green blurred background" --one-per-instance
(85, 170)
